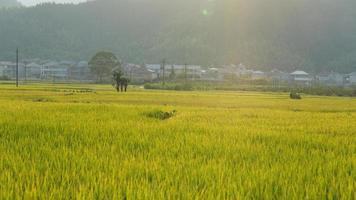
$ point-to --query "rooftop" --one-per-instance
(299, 73)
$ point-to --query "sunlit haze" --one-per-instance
(177, 99)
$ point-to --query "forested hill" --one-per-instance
(9, 3)
(303, 34)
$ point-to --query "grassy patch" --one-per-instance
(161, 115)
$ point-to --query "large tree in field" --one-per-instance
(102, 65)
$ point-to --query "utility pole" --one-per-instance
(163, 71)
(17, 67)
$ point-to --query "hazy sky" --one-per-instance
(34, 2)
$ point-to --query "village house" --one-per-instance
(33, 71)
(278, 75)
(332, 78)
(351, 78)
(139, 74)
(192, 71)
(233, 70)
(79, 71)
(258, 75)
(211, 74)
(243, 72)
(48, 70)
(67, 63)
(8, 69)
(156, 68)
(300, 77)
(228, 72)
(3, 66)
(54, 71)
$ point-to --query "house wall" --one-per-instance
(256, 76)
(79, 73)
(54, 72)
(338, 79)
(353, 79)
(33, 72)
(2, 70)
(332, 79)
(303, 78)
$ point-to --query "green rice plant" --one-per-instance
(220, 145)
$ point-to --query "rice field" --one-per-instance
(89, 142)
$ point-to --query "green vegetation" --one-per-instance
(295, 95)
(162, 115)
(120, 82)
(315, 36)
(100, 144)
(254, 85)
(102, 65)
(170, 86)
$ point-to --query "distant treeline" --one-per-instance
(310, 35)
(258, 86)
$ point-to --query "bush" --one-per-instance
(169, 86)
(161, 115)
(295, 95)
(41, 99)
(354, 92)
(4, 78)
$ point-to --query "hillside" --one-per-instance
(316, 36)
(9, 3)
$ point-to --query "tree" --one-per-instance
(117, 74)
(172, 75)
(102, 64)
(124, 83)
(119, 81)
